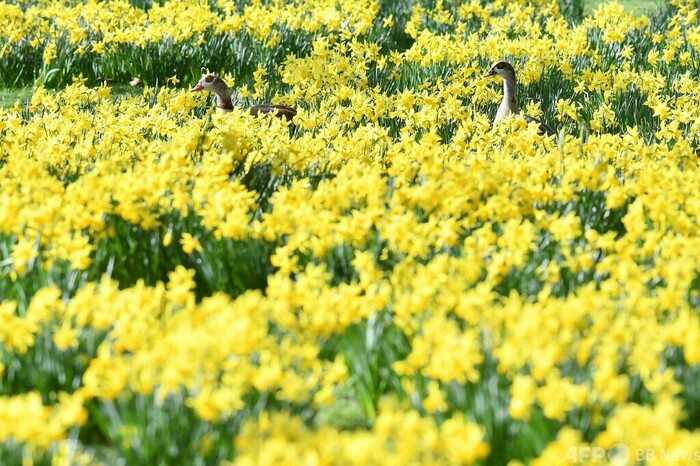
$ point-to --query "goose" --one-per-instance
(509, 104)
(213, 83)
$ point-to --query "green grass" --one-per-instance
(636, 7)
(8, 97)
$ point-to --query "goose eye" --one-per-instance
(499, 66)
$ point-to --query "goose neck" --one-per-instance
(509, 94)
(223, 98)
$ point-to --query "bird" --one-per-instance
(509, 104)
(213, 83)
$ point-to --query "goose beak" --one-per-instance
(491, 72)
(198, 88)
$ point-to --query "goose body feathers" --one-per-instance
(213, 83)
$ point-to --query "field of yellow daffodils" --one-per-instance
(390, 280)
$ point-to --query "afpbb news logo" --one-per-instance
(621, 454)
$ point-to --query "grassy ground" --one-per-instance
(637, 7)
(8, 97)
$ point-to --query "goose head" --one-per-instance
(212, 83)
(503, 69)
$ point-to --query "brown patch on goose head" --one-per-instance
(207, 81)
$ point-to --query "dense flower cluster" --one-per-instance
(388, 281)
